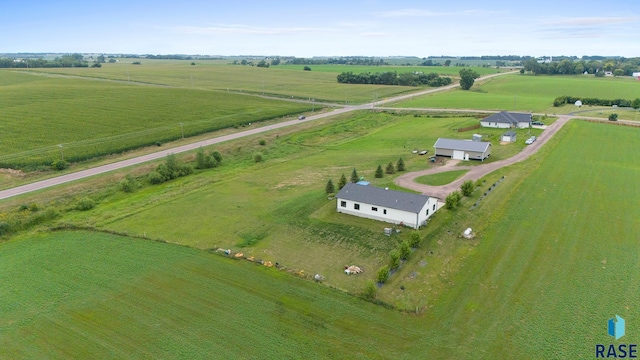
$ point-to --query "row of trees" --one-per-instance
(70, 60)
(330, 188)
(561, 100)
(367, 61)
(392, 78)
(619, 67)
(454, 199)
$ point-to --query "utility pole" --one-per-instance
(182, 129)
(61, 152)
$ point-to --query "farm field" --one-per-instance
(529, 93)
(278, 81)
(92, 295)
(553, 259)
(356, 69)
(92, 118)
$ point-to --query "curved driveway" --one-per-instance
(478, 171)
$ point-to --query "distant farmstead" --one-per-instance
(462, 149)
(391, 206)
(507, 120)
(636, 75)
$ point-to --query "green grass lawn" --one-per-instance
(91, 118)
(528, 93)
(441, 178)
(92, 295)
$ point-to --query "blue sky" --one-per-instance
(323, 28)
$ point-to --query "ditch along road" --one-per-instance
(406, 179)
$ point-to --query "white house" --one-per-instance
(509, 136)
(462, 149)
(507, 120)
(636, 75)
(396, 207)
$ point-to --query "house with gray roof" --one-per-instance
(391, 206)
(462, 149)
(507, 120)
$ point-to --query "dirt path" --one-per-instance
(478, 171)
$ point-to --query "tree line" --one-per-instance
(69, 60)
(369, 61)
(561, 100)
(618, 66)
(393, 78)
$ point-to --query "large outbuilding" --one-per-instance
(462, 149)
(507, 120)
(391, 206)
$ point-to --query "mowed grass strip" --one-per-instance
(91, 118)
(529, 93)
(441, 178)
(93, 295)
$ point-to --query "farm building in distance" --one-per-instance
(636, 75)
(509, 136)
(507, 120)
(391, 206)
(462, 149)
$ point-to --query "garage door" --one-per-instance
(458, 155)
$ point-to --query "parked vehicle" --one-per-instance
(301, 117)
(537, 123)
(530, 140)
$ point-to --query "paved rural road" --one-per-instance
(478, 171)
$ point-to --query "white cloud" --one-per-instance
(590, 21)
(244, 30)
(408, 13)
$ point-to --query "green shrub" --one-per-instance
(414, 239)
(59, 165)
(85, 204)
(394, 258)
(262, 142)
(257, 157)
(453, 200)
(400, 165)
(467, 188)
(613, 117)
(216, 155)
(5, 227)
(129, 184)
(204, 161)
(383, 274)
(155, 178)
(405, 250)
(370, 290)
(390, 168)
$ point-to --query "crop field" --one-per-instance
(278, 81)
(91, 118)
(529, 93)
(92, 295)
(553, 259)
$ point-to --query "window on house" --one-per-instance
(356, 206)
(343, 203)
(384, 211)
(373, 208)
(427, 212)
(434, 207)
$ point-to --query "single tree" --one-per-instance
(342, 182)
(467, 188)
(453, 200)
(414, 240)
(306, 68)
(405, 250)
(636, 103)
(383, 274)
(330, 188)
(379, 172)
(613, 117)
(400, 165)
(390, 168)
(394, 259)
(354, 176)
(216, 155)
(467, 78)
